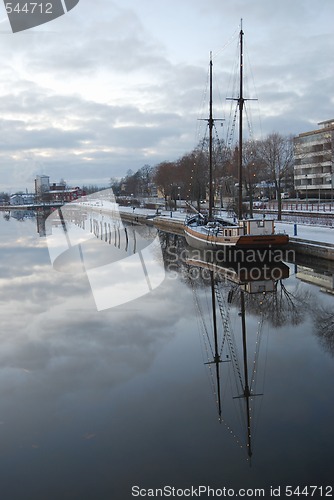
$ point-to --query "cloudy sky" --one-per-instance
(115, 85)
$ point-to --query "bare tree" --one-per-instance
(277, 153)
(252, 170)
(146, 175)
(164, 177)
(195, 175)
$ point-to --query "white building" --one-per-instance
(314, 162)
(22, 199)
(42, 186)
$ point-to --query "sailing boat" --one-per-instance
(212, 232)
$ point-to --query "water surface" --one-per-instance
(93, 403)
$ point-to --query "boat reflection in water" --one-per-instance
(231, 283)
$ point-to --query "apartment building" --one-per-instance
(313, 169)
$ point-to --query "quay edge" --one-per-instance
(312, 249)
(166, 224)
(306, 248)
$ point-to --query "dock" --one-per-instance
(301, 246)
(173, 222)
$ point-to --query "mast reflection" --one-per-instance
(229, 283)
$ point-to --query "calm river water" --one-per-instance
(119, 402)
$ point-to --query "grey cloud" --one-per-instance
(152, 94)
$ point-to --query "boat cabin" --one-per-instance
(257, 226)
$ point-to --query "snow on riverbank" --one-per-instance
(311, 232)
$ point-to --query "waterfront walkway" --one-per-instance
(311, 232)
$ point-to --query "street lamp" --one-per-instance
(330, 179)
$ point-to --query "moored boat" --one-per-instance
(218, 233)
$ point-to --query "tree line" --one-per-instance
(268, 163)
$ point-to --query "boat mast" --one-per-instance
(211, 123)
(216, 360)
(241, 102)
(216, 357)
(247, 392)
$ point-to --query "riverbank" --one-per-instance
(314, 241)
(309, 240)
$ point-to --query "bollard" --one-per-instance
(295, 229)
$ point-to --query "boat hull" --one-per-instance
(202, 241)
(262, 241)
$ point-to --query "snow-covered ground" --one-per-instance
(309, 232)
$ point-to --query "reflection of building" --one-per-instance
(325, 281)
(41, 217)
(22, 214)
(56, 191)
(22, 199)
(314, 161)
